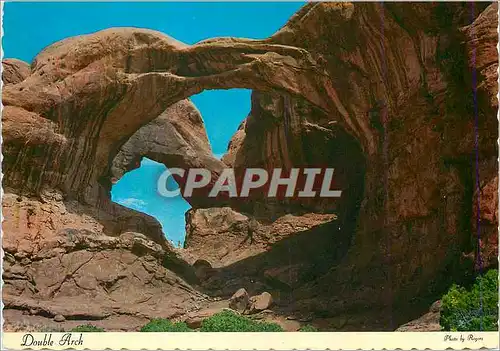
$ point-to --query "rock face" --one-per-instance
(485, 214)
(483, 59)
(14, 71)
(416, 130)
(60, 261)
(234, 145)
(258, 255)
(283, 131)
(400, 98)
(224, 236)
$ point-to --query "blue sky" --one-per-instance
(29, 27)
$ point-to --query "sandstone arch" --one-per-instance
(113, 72)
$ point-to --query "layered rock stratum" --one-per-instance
(400, 98)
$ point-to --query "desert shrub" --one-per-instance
(227, 321)
(164, 325)
(87, 328)
(308, 328)
(472, 310)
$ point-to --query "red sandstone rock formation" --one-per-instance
(176, 138)
(62, 259)
(14, 71)
(482, 39)
(405, 79)
(223, 236)
(383, 92)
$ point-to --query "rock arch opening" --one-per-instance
(137, 190)
(193, 132)
(280, 244)
(281, 130)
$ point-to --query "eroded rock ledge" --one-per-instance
(61, 260)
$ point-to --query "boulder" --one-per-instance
(239, 301)
(435, 307)
(195, 319)
(194, 322)
(59, 318)
(260, 302)
(14, 71)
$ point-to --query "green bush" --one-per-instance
(227, 321)
(462, 310)
(164, 325)
(87, 328)
(308, 328)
